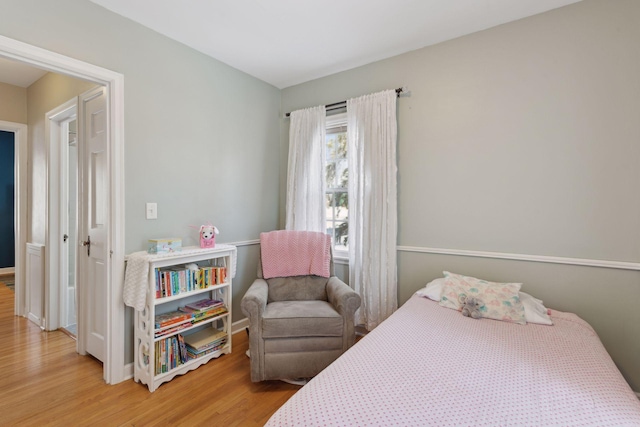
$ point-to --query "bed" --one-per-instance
(429, 365)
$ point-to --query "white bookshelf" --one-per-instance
(144, 327)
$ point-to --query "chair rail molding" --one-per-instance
(622, 265)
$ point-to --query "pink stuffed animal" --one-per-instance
(208, 236)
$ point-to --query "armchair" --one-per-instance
(298, 324)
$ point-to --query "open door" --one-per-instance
(93, 256)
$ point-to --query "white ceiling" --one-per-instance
(19, 74)
(286, 42)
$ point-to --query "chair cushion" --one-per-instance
(301, 319)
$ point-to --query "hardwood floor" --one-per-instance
(45, 382)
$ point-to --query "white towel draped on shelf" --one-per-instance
(136, 280)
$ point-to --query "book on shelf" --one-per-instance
(179, 279)
(172, 329)
(170, 353)
(201, 339)
(204, 342)
(211, 276)
(204, 305)
(199, 317)
(195, 355)
(204, 309)
(165, 320)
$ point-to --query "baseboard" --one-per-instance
(128, 371)
(7, 271)
(239, 325)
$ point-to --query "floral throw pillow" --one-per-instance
(500, 301)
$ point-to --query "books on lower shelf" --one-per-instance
(178, 350)
(178, 279)
(192, 313)
(170, 353)
(203, 342)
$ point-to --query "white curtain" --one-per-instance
(305, 177)
(372, 136)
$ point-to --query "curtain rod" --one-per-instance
(342, 104)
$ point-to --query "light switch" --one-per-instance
(152, 211)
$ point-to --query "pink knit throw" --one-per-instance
(287, 253)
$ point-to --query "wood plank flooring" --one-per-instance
(45, 382)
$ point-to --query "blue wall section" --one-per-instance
(7, 256)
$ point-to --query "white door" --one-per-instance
(93, 255)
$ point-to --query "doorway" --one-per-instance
(114, 369)
(69, 307)
(7, 219)
(68, 129)
(61, 270)
(19, 132)
(78, 207)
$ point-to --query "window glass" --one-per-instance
(337, 183)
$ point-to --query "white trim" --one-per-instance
(128, 371)
(622, 265)
(245, 243)
(340, 260)
(114, 365)
(21, 213)
(7, 271)
(239, 325)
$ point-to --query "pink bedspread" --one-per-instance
(287, 253)
(430, 366)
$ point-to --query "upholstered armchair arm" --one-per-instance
(255, 300)
(253, 305)
(346, 301)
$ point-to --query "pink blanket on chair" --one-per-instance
(287, 253)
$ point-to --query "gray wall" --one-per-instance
(201, 138)
(520, 139)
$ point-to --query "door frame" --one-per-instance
(114, 368)
(57, 217)
(20, 212)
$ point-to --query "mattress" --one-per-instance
(430, 366)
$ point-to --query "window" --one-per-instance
(337, 179)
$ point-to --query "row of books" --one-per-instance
(174, 351)
(175, 280)
(198, 311)
(170, 353)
